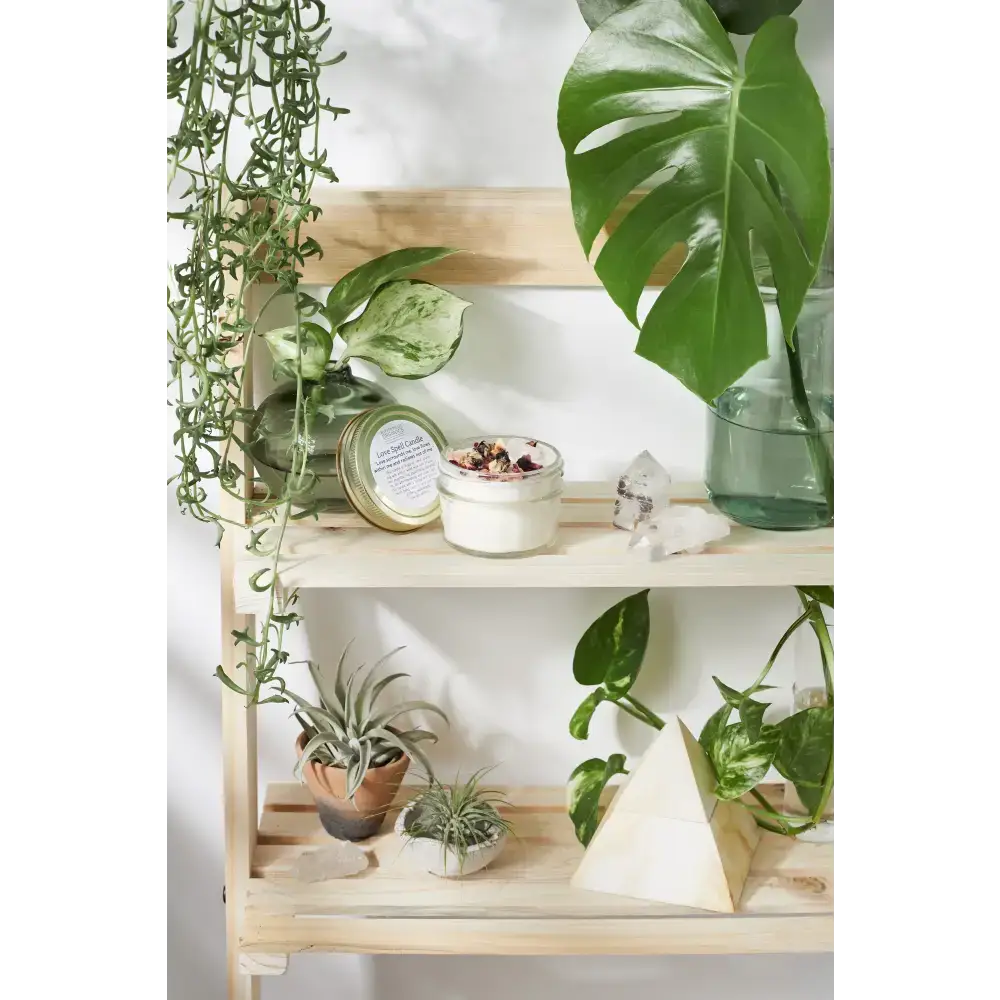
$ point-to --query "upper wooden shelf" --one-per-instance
(512, 236)
(522, 904)
(345, 552)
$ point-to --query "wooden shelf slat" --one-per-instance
(522, 904)
(589, 552)
(513, 236)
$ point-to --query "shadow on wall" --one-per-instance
(685, 977)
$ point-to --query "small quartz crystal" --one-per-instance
(643, 491)
(679, 529)
(336, 860)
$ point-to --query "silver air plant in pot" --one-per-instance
(453, 830)
(351, 755)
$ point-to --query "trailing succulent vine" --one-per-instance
(800, 747)
(248, 76)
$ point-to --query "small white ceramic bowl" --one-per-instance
(428, 855)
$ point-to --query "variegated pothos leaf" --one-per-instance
(409, 328)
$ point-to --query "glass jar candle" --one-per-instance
(500, 496)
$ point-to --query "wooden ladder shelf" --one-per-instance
(522, 904)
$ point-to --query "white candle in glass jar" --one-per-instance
(501, 508)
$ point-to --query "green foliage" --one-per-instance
(302, 347)
(357, 286)
(410, 329)
(716, 124)
(584, 792)
(346, 730)
(800, 746)
(608, 654)
(738, 17)
(246, 78)
(457, 816)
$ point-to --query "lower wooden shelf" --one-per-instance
(521, 905)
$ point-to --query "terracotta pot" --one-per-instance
(341, 817)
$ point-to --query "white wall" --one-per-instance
(447, 93)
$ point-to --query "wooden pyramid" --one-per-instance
(666, 837)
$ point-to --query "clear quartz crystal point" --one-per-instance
(643, 491)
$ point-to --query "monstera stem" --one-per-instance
(822, 460)
(819, 454)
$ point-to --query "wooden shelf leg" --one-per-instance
(239, 735)
(239, 731)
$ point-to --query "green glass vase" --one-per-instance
(770, 436)
(329, 406)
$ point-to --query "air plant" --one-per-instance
(458, 816)
(346, 730)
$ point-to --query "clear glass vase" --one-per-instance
(770, 436)
(330, 406)
(809, 691)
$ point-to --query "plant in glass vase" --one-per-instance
(720, 170)
(409, 329)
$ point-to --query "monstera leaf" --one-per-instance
(739, 17)
(707, 188)
(409, 328)
(744, 17)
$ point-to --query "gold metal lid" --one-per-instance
(387, 463)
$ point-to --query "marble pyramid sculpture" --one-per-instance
(666, 837)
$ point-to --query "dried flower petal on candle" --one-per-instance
(492, 458)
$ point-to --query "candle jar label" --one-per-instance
(404, 462)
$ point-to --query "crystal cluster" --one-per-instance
(643, 491)
(679, 529)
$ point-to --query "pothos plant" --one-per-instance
(657, 104)
(242, 162)
(609, 656)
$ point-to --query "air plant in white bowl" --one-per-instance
(454, 830)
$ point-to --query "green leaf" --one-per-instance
(406, 706)
(584, 792)
(804, 751)
(751, 712)
(338, 682)
(231, 684)
(822, 594)
(358, 285)
(404, 742)
(739, 762)
(409, 328)
(731, 695)
(595, 11)
(752, 716)
(713, 729)
(579, 725)
(610, 652)
(708, 191)
(744, 17)
(317, 345)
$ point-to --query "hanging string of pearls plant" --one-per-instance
(251, 68)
